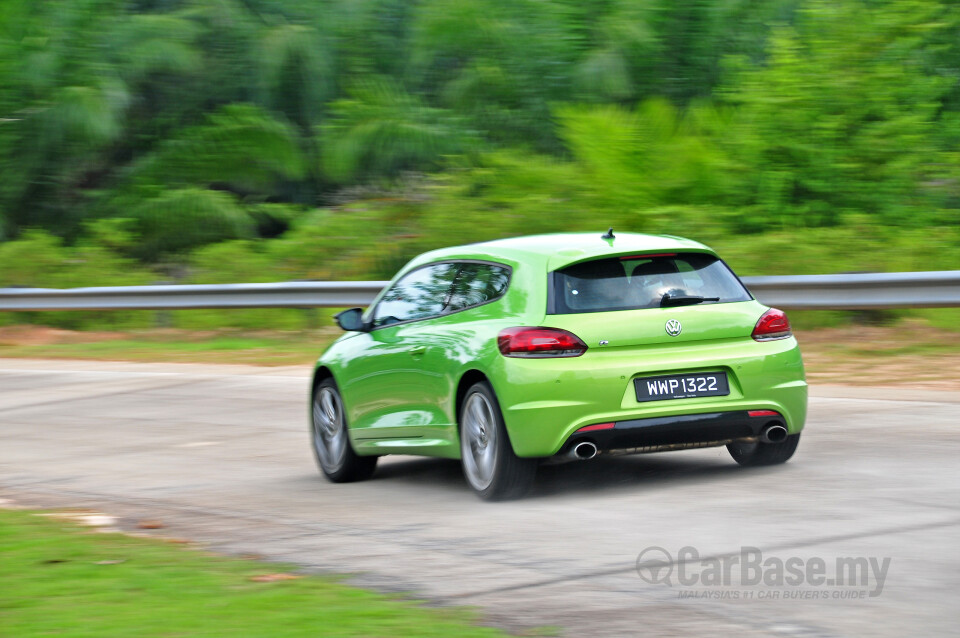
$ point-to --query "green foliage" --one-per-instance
(622, 42)
(500, 63)
(381, 131)
(359, 241)
(40, 260)
(146, 44)
(179, 220)
(240, 146)
(294, 72)
(338, 139)
(844, 117)
(793, 112)
(652, 156)
(85, 115)
(231, 262)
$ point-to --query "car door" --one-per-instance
(441, 346)
(394, 380)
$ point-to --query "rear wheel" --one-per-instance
(489, 464)
(331, 444)
(757, 453)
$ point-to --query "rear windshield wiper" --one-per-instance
(683, 300)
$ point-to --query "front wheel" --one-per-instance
(489, 464)
(756, 453)
(331, 444)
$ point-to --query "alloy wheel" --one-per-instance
(329, 433)
(478, 441)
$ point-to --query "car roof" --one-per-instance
(557, 250)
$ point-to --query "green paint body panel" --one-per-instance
(399, 382)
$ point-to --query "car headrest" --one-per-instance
(600, 269)
(656, 267)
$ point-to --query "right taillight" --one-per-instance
(773, 324)
(531, 342)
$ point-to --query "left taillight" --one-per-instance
(773, 324)
(532, 342)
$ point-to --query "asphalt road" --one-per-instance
(220, 455)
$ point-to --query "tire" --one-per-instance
(331, 442)
(491, 468)
(758, 454)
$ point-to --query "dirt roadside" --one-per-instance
(909, 354)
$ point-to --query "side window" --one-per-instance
(418, 295)
(477, 284)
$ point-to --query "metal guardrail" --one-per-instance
(804, 292)
(293, 294)
(938, 289)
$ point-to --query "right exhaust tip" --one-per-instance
(774, 433)
(585, 450)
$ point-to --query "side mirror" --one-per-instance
(351, 320)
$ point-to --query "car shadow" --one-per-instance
(419, 470)
(628, 473)
(601, 474)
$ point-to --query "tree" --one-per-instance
(844, 115)
(381, 130)
(240, 147)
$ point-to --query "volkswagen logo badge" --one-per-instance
(673, 327)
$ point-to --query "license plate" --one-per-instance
(682, 386)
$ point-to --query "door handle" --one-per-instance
(418, 351)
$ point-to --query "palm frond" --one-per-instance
(383, 130)
(148, 43)
(604, 75)
(87, 115)
(240, 145)
(182, 219)
(295, 72)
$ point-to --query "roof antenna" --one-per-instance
(609, 234)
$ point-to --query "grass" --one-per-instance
(60, 579)
(183, 346)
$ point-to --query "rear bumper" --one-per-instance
(690, 430)
(545, 401)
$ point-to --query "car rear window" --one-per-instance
(634, 282)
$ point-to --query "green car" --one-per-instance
(566, 346)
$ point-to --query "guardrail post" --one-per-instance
(162, 318)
